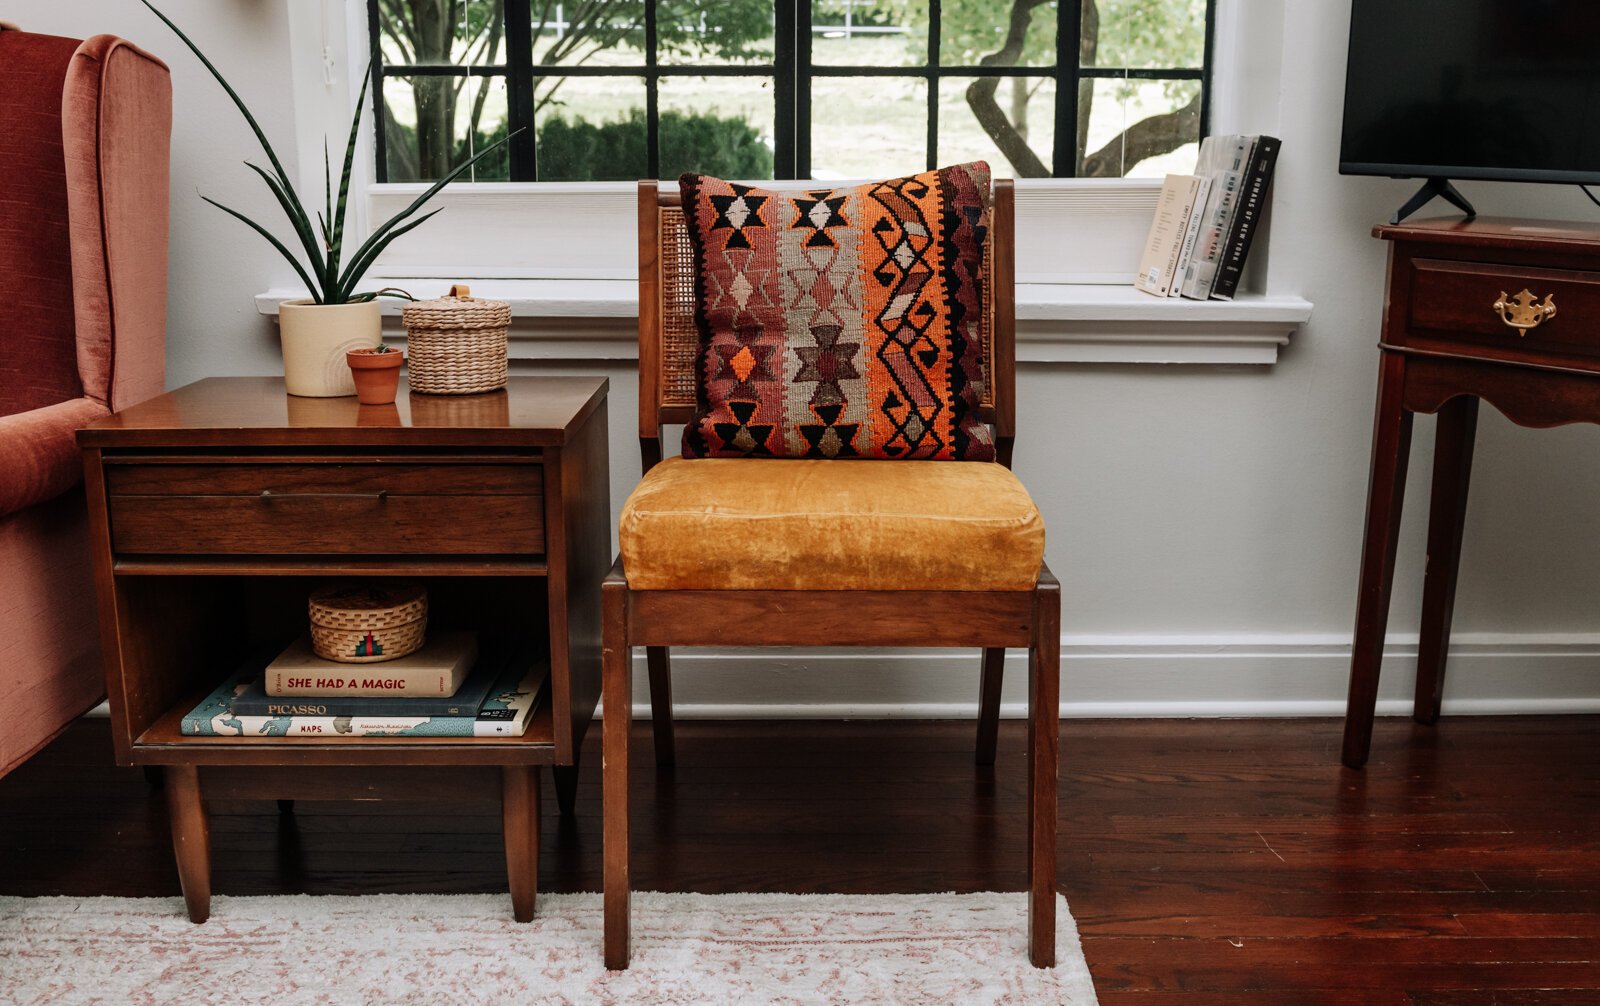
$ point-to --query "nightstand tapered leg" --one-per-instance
(191, 838)
(519, 810)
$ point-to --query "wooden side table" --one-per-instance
(216, 508)
(1507, 311)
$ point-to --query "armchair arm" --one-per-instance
(116, 125)
(39, 457)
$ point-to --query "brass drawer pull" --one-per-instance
(1525, 311)
(381, 496)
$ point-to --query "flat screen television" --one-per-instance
(1507, 90)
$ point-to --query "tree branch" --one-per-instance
(980, 96)
(1158, 134)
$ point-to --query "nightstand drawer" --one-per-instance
(324, 507)
(1507, 307)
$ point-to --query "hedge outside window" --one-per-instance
(624, 89)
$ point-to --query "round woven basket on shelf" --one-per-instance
(456, 345)
(368, 623)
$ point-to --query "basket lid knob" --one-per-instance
(461, 291)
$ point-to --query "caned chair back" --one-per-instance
(669, 341)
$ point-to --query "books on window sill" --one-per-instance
(1205, 223)
(497, 698)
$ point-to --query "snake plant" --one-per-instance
(330, 277)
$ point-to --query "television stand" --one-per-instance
(1431, 189)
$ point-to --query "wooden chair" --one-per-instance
(659, 619)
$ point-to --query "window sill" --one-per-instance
(593, 319)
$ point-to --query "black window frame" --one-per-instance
(791, 72)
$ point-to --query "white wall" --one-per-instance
(1205, 522)
(215, 262)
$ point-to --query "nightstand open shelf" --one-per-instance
(216, 509)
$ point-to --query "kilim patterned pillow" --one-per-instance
(841, 323)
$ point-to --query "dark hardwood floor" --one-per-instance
(1206, 861)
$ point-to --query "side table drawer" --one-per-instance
(324, 507)
(1458, 299)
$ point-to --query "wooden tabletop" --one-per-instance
(1542, 235)
(257, 412)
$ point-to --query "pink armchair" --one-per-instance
(84, 136)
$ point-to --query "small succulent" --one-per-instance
(328, 275)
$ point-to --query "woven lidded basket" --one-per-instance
(456, 344)
(362, 623)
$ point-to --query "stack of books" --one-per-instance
(445, 689)
(1205, 222)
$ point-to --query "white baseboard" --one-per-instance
(1135, 676)
(1131, 676)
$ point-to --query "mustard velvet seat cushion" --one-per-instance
(817, 524)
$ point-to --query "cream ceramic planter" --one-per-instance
(315, 339)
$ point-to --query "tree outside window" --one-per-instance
(620, 89)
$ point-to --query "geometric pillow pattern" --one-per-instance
(840, 323)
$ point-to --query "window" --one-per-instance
(621, 89)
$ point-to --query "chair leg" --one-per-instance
(655, 657)
(617, 690)
(1044, 743)
(994, 669)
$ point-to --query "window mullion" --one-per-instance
(932, 77)
(519, 92)
(1206, 69)
(652, 94)
(1069, 78)
(800, 124)
(787, 17)
(380, 146)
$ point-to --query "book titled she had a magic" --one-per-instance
(505, 711)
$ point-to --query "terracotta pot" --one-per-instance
(315, 340)
(376, 374)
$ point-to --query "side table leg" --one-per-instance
(519, 811)
(617, 690)
(1447, 513)
(1386, 489)
(191, 838)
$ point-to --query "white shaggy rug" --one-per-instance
(446, 949)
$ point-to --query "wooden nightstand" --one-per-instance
(216, 508)
(1503, 311)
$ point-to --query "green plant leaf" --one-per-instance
(310, 286)
(375, 246)
(302, 226)
(337, 248)
(327, 188)
(365, 255)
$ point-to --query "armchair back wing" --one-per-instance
(117, 124)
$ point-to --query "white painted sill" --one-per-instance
(594, 319)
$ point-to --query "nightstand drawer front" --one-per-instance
(325, 508)
(1484, 305)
